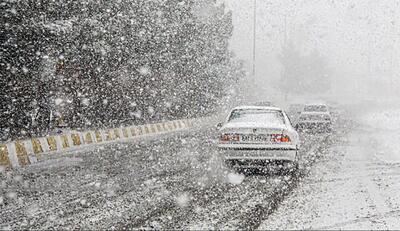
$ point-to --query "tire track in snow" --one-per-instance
(221, 200)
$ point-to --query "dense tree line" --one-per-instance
(98, 63)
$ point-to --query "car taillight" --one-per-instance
(285, 139)
(229, 137)
(280, 138)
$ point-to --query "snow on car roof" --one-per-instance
(316, 104)
(257, 107)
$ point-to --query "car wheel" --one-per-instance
(294, 165)
(289, 168)
(281, 167)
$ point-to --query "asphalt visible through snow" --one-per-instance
(169, 181)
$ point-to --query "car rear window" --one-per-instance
(314, 117)
(257, 115)
(315, 108)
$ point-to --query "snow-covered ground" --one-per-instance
(384, 128)
(171, 181)
(357, 184)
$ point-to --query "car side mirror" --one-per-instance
(218, 126)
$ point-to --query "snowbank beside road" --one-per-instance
(385, 119)
(384, 127)
(354, 185)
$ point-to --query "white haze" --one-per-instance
(359, 38)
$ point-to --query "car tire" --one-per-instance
(289, 168)
(293, 167)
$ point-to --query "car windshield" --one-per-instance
(262, 116)
(315, 108)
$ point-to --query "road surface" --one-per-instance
(355, 186)
(170, 181)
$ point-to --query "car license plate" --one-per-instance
(251, 138)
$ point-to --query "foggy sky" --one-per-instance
(360, 39)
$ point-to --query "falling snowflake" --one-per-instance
(83, 202)
(25, 70)
(137, 114)
(11, 195)
(144, 70)
(168, 104)
(151, 110)
(58, 101)
(183, 200)
(235, 178)
(85, 101)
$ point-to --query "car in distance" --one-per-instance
(315, 117)
(258, 137)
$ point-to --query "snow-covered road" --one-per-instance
(173, 181)
(356, 185)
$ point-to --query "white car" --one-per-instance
(253, 136)
(315, 117)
